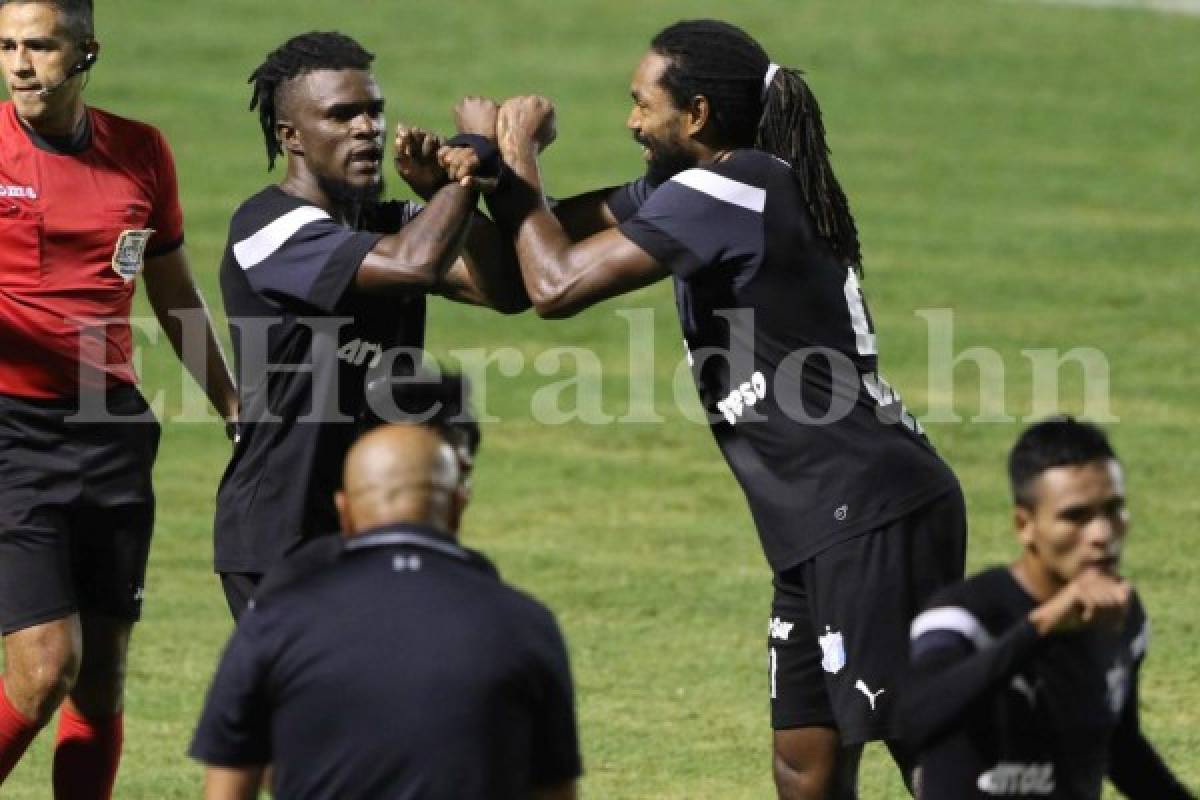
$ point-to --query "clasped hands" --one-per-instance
(520, 128)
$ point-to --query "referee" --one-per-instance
(88, 204)
(397, 664)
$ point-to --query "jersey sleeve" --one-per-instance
(699, 220)
(955, 661)
(300, 257)
(555, 749)
(625, 200)
(235, 725)
(166, 214)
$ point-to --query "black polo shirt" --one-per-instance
(405, 668)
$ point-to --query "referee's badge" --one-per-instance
(833, 651)
(130, 254)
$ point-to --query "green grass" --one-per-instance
(1031, 168)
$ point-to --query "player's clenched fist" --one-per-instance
(417, 160)
(523, 120)
(1093, 599)
(477, 115)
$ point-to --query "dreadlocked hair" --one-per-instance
(792, 129)
(298, 56)
(725, 64)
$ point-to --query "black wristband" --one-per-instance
(490, 163)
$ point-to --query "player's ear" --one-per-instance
(1023, 525)
(699, 112)
(343, 512)
(289, 138)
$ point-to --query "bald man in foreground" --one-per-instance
(402, 668)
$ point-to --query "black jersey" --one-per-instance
(305, 342)
(783, 354)
(998, 711)
(403, 668)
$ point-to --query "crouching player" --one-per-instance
(1026, 677)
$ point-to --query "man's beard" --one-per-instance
(350, 199)
(666, 160)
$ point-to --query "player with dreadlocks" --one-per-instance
(325, 289)
(859, 518)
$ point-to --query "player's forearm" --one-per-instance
(542, 245)
(940, 689)
(492, 263)
(421, 253)
(232, 783)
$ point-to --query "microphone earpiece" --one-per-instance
(78, 68)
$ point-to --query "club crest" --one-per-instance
(130, 254)
(833, 651)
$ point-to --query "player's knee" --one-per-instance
(37, 686)
(798, 781)
(800, 774)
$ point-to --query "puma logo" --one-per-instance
(871, 696)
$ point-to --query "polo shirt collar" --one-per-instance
(411, 534)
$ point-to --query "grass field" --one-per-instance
(1030, 169)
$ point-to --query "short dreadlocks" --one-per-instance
(298, 56)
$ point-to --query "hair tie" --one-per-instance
(771, 70)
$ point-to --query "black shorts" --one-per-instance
(838, 635)
(76, 508)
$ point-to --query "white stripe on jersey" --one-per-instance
(1137, 648)
(951, 618)
(722, 188)
(258, 248)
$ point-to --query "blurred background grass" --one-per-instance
(1032, 169)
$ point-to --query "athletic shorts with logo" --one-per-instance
(838, 634)
(76, 508)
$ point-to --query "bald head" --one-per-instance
(400, 473)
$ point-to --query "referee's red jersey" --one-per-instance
(75, 230)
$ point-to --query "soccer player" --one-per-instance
(325, 288)
(859, 518)
(402, 666)
(1025, 677)
(88, 203)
